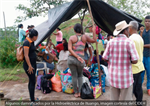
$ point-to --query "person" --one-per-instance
(49, 50)
(107, 40)
(145, 33)
(22, 33)
(41, 59)
(59, 36)
(29, 27)
(60, 47)
(139, 67)
(98, 32)
(29, 64)
(88, 54)
(120, 53)
(32, 26)
(102, 62)
(76, 62)
(63, 57)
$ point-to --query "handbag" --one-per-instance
(48, 58)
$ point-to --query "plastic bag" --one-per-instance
(56, 82)
(86, 92)
(97, 91)
(66, 80)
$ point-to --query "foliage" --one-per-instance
(8, 47)
(37, 8)
(133, 7)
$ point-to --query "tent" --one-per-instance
(105, 16)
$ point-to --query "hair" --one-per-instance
(78, 28)
(65, 39)
(65, 46)
(32, 26)
(108, 35)
(21, 25)
(28, 27)
(123, 31)
(95, 52)
(58, 28)
(147, 17)
(86, 45)
(102, 52)
(32, 33)
(134, 25)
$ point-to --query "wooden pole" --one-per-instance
(4, 22)
(97, 54)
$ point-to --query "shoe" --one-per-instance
(148, 91)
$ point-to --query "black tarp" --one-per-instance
(105, 16)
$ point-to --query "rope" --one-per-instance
(10, 73)
(97, 54)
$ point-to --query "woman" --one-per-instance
(76, 59)
(29, 64)
(50, 51)
(59, 36)
(63, 57)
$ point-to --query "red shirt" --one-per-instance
(27, 31)
(59, 47)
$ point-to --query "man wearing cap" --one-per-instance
(120, 54)
(138, 68)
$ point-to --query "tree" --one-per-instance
(37, 8)
(134, 7)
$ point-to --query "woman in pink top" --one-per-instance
(59, 36)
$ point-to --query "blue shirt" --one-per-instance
(146, 38)
(22, 34)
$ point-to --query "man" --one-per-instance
(120, 53)
(59, 36)
(145, 33)
(139, 67)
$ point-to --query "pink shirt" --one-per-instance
(120, 52)
(59, 37)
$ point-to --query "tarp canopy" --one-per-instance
(105, 16)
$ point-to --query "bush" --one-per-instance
(8, 51)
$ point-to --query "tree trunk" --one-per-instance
(48, 40)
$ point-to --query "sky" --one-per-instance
(8, 7)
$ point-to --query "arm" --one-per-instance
(141, 31)
(147, 46)
(27, 33)
(134, 62)
(94, 36)
(56, 33)
(49, 52)
(90, 51)
(26, 52)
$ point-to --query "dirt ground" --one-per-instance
(17, 90)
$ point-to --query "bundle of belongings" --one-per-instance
(62, 82)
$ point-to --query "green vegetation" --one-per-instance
(8, 74)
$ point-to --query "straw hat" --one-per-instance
(120, 27)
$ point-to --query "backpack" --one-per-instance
(20, 54)
(46, 84)
(39, 82)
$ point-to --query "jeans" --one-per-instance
(146, 62)
(59, 42)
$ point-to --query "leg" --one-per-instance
(147, 67)
(143, 73)
(126, 94)
(114, 93)
(138, 89)
(73, 69)
(80, 67)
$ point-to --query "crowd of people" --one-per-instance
(126, 55)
